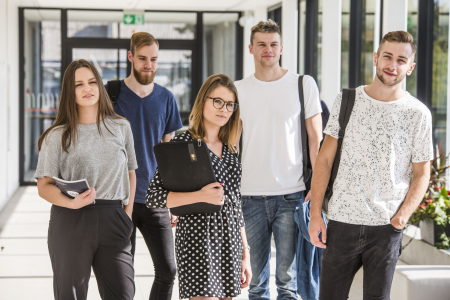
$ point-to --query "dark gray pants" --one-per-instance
(96, 236)
(375, 248)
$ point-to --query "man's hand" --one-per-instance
(173, 220)
(316, 225)
(398, 223)
(308, 196)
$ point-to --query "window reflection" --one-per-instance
(219, 44)
(42, 52)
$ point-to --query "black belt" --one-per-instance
(105, 203)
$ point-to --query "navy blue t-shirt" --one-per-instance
(150, 117)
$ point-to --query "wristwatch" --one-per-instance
(246, 247)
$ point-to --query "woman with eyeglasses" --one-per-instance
(213, 257)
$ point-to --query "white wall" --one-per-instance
(9, 100)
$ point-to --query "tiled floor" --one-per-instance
(25, 269)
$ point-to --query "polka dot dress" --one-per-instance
(208, 246)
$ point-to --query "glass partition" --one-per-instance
(440, 72)
(174, 73)
(367, 40)
(42, 68)
(219, 44)
(109, 24)
(345, 42)
(110, 63)
(413, 8)
(164, 25)
(81, 24)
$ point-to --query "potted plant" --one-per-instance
(434, 211)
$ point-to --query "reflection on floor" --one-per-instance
(25, 269)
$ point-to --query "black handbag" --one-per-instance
(185, 166)
(348, 101)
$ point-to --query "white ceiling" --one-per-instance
(194, 5)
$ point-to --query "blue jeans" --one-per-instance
(263, 216)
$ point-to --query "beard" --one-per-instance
(143, 79)
(393, 82)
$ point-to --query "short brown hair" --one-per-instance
(398, 37)
(227, 133)
(268, 26)
(140, 39)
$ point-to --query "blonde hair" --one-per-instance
(398, 37)
(140, 39)
(268, 26)
(227, 133)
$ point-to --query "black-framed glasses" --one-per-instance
(219, 103)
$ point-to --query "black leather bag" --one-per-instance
(186, 167)
(348, 101)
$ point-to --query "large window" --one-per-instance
(440, 72)
(41, 86)
(193, 46)
(412, 29)
(219, 44)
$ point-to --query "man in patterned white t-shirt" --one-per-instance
(387, 139)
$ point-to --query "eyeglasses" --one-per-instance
(219, 103)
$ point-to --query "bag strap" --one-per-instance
(348, 101)
(114, 90)
(303, 128)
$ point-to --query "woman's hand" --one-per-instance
(83, 199)
(212, 193)
(173, 220)
(246, 269)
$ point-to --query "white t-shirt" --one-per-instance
(272, 146)
(382, 140)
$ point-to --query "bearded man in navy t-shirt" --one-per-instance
(153, 114)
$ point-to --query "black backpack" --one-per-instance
(114, 90)
(348, 100)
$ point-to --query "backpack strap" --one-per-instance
(304, 135)
(114, 90)
(348, 101)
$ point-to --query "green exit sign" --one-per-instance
(133, 17)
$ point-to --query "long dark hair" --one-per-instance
(67, 117)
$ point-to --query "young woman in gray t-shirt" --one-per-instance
(89, 141)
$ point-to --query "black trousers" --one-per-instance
(154, 225)
(375, 248)
(96, 236)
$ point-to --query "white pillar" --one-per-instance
(331, 50)
(9, 112)
(259, 14)
(289, 34)
(395, 15)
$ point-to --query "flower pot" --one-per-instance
(431, 232)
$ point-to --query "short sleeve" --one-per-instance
(156, 194)
(173, 120)
(49, 156)
(422, 149)
(332, 128)
(312, 98)
(129, 147)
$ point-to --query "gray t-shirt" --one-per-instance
(104, 160)
(382, 141)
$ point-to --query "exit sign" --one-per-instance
(133, 17)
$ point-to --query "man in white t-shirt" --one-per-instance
(272, 184)
(387, 139)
